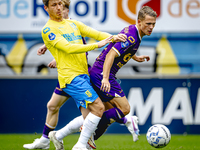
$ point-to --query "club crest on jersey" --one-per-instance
(52, 36)
(124, 44)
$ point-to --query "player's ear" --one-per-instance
(46, 8)
(138, 21)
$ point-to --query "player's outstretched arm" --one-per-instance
(52, 64)
(42, 50)
(119, 38)
(69, 48)
(141, 58)
(104, 42)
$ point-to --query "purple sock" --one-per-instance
(109, 116)
(46, 131)
(122, 120)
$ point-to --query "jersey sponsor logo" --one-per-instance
(45, 30)
(72, 37)
(61, 28)
(52, 36)
(127, 9)
(73, 25)
(124, 44)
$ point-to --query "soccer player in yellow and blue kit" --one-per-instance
(58, 98)
(63, 38)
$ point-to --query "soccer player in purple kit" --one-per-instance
(103, 72)
(112, 58)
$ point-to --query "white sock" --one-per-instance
(126, 120)
(72, 127)
(89, 126)
(44, 139)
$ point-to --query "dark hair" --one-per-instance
(45, 2)
(66, 3)
(146, 10)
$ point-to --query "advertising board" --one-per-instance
(105, 15)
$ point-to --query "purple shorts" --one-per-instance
(59, 91)
(115, 91)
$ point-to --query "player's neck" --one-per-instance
(56, 19)
(140, 31)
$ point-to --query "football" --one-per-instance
(158, 136)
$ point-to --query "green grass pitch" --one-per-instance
(106, 142)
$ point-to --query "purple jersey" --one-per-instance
(125, 52)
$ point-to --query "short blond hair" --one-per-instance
(66, 3)
(146, 10)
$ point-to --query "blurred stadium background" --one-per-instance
(165, 90)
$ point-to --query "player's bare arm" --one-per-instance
(105, 84)
(42, 50)
(52, 64)
(119, 38)
(104, 42)
(141, 58)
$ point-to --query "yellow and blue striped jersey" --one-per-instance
(64, 41)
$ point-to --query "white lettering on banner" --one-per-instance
(180, 98)
(197, 109)
(154, 104)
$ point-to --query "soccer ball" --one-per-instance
(158, 136)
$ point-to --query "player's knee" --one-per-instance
(97, 108)
(100, 109)
(126, 110)
(52, 108)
